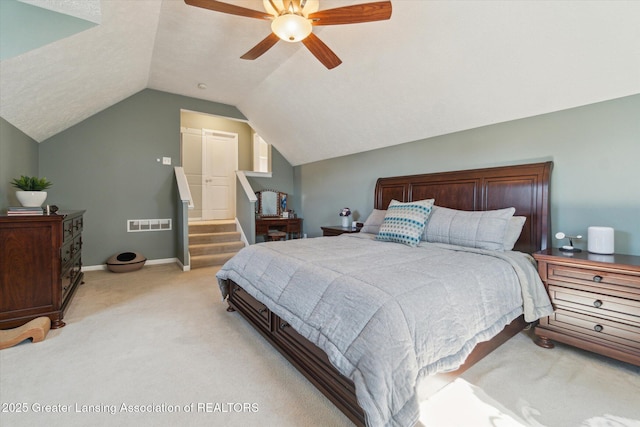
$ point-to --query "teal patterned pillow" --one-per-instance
(405, 222)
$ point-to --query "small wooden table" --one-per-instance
(291, 226)
(336, 230)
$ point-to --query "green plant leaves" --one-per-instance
(31, 183)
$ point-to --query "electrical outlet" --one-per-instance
(166, 160)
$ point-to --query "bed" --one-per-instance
(363, 318)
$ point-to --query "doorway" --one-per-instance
(210, 161)
(219, 165)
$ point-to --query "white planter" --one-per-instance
(31, 198)
(346, 221)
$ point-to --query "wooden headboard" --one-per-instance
(524, 187)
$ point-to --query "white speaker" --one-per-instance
(600, 240)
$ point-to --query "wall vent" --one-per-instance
(136, 225)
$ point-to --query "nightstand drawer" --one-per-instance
(590, 278)
(602, 330)
(623, 309)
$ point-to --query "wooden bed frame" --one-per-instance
(525, 187)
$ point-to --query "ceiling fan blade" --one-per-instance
(218, 6)
(321, 51)
(261, 47)
(366, 12)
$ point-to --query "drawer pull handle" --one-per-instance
(597, 279)
(598, 328)
(597, 303)
(263, 310)
(284, 325)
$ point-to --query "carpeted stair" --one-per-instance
(213, 242)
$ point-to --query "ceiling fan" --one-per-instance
(293, 21)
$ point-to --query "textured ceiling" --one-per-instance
(436, 67)
(88, 10)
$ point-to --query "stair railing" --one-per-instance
(185, 202)
(246, 208)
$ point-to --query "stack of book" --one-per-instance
(24, 210)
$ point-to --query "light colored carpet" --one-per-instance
(156, 347)
(521, 384)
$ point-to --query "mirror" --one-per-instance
(271, 203)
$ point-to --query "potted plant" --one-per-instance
(30, 191)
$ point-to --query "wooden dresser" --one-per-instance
(596, 300)
(40, 266)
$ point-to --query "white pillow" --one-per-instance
(373, 222)
(514, 229)
(475, 229)
(405, 222)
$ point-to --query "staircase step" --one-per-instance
(227, 236)
(200, 261)
(213, 243)
(215, 248)
(202, 227)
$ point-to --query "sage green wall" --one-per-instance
(595, 180)
(18, 156)
(281, 178)
(107, 165)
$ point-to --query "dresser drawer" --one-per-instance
(67, 253)
(67, 230)
(597, 329)
(67, 281)
(70, 250)
(601, 305)
(70, 275)
(294, 225)
(625, 285)
(261, 228)
(72, 227)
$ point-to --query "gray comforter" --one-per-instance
(387, 314)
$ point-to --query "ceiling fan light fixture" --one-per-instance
(275, 7)
(291, 27)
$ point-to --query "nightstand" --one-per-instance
(336, 230)
(596, 300)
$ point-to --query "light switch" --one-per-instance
(166, 160)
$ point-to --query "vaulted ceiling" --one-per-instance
(435, 67)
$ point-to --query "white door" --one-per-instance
(219, 165)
